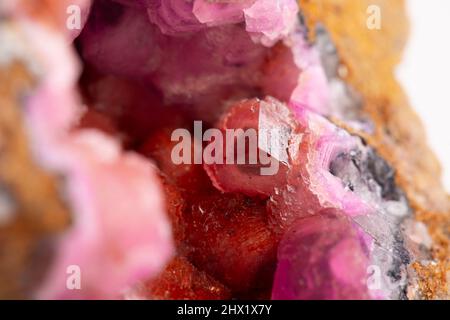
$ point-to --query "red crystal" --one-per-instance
(247, 178)
(228, 236)
(187, 177)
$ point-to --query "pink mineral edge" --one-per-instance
(120, 233)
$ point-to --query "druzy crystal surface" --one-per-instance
(317, 227)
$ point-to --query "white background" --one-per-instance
(425, 73)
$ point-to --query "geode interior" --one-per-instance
(331, 223)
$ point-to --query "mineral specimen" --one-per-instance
(297, 199)
(322, 257)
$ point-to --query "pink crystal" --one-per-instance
(303, 184)
(127, 48)
(247, 178)
(321, 257)
(270, 21)
(325, 201)
(193, 63)
(219, 13)
(209, 67)
(114, 241)
(174, 17)
(85, 7)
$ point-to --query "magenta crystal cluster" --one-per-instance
(333, 209)
(203, 52)
(325, 254)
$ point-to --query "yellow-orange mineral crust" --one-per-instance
(38, 210)
(369, 58)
